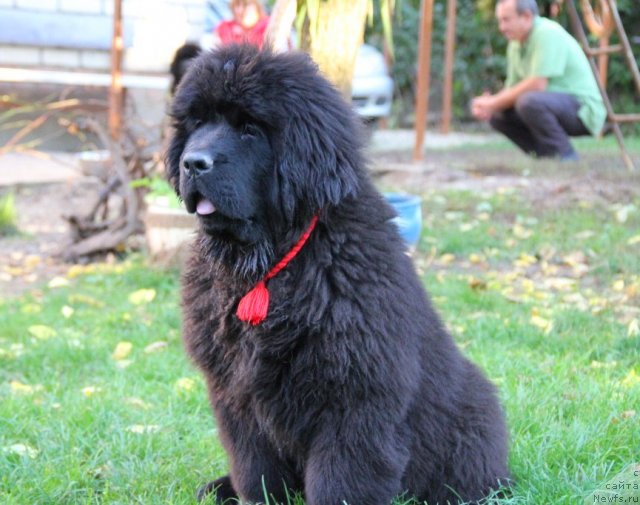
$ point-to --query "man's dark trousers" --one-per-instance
(541, 122)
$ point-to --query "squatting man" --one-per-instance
(550, 92)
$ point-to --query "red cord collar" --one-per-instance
(253, 306)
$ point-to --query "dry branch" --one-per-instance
(97, 232)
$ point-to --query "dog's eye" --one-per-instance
(250, 130)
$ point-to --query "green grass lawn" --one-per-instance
(98, 403)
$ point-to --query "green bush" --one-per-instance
(480, 62)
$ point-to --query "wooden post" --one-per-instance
(115, 90)
(624, 41)
(450, 44)
(603, 62)
(424, 68)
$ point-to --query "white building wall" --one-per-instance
(156, 28)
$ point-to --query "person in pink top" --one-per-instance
(248, 25)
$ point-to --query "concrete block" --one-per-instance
(66, 58)
(37, 5)
(23, 27)
(83, 6)
(95, 60)
(22, 56)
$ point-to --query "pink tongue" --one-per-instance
(205, 207)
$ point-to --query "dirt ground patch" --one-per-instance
(597, 178)
(28, 260)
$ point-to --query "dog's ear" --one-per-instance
(313, 172)
(318, 150)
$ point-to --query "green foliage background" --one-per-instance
(480, 49)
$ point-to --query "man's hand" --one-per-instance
(483, 106)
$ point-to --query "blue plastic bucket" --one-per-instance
(409, 218)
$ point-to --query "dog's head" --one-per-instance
(262, 142)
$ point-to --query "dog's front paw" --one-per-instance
(221, 489)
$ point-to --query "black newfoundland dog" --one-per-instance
(328, 370)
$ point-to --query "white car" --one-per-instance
(372, 86)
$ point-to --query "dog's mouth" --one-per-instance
(204, 207)
(197, 203)
(216, 221)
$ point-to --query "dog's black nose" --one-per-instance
(198, 161)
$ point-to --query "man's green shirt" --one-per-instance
(549, 51)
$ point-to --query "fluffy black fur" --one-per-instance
(350, 390)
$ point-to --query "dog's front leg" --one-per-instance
(357, 464)
(257, 472)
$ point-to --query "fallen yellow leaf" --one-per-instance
(155, 347)
(32, 261)
(140, 429)
(628, 414)
(58, 282)
(14, 271)
(599, 364)
(634, 240)
(185, 384)
(560, 283)
(31, 308)
(618, 285)
(446, 259)
(575, 258)
(21, 450)
(142, 296)
(549, 269)
(76, 270)
(633, 330)
(622, 213)
(20, 388)
(89, 391)
(528, 285)
(525, 260)
(477, 284)
(521, 232)
(476, 258)
(584, 235)
(540, 322)
(67, 311)
(85, 300)
(42, 332)
(631, 379)
(122, 350)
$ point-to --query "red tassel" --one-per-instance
(254, 305)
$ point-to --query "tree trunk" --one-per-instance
(336, 31)
(280, 22)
